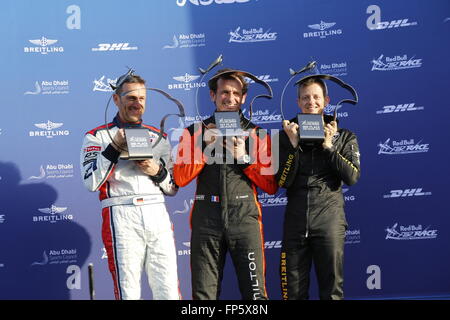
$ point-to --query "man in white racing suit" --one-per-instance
(136, 230)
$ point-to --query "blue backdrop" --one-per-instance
(58, 57)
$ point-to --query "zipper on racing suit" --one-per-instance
(307, 195)
(223, 194)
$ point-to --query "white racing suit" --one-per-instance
(136, 230)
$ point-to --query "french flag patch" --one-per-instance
(214, 198)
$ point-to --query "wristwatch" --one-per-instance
(244, 159)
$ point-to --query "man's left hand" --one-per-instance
(330, 130)
(236, 146)
(148, 166)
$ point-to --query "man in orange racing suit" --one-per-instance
(226, 215)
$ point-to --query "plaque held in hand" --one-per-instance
(138, 143)
(310, 128)
(229, 123)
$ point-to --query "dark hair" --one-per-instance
(311, 81)
(128, 78)
(212, 83)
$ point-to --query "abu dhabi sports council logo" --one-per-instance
(402, 147)
(352, 236)
(395, 63)
(102, 84)
(48, 130)
(52, 214)
(43, 46)
(50, 87)
(410, 232)
(413, 192)
(251, 35)
(324, 30)
(57, 256)
(272, 200)
(182, 3)
(193, 119)
(187, 82)
(335, 68)
(192, 40)
(122, 46)
(54, 171)
(400, 108)
(374, 20)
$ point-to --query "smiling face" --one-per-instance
(312, 99)
(228, 96)
(131, 102)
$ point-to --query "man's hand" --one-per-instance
(210, 134)
(119, 143)
(148, 166)
(236, 146)
(330, 130)
(291, 129)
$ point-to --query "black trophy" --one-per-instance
(310, 128)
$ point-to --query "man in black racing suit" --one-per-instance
(315, 224)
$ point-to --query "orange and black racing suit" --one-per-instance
(226, 215)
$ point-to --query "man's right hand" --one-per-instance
(291, 129)
(210, 134)
(119, 143)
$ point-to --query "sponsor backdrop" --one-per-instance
(59, 56)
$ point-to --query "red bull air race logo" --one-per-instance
(398, 62)
(410, 232)
(251, 35)
(402, 147)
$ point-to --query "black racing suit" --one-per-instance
(226, 215)
(315, 224)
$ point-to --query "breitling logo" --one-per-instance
(323, 30)
(53, 214)
(322, 25)
(43, 46)
(48, 130)
(53, 209)
(187, 82)
(186, 78)
(49, 125)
